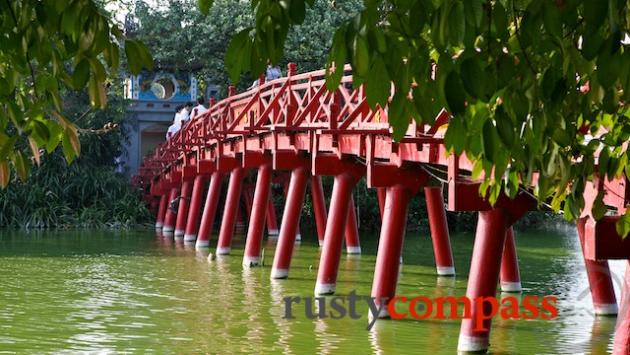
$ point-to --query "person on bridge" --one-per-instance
(177, 122)
(273, 72)
(185, 115)
(198, 110)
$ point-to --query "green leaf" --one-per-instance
(490, 141)
(377, 84)
(595, 13)
(56, 135)
(454, 93)
(360, 56)
(499, 17)
(608, 66)
(204, 6)
(236, 55)
(511, 183)
(506, 70)
(599, 208)
(474, 12)
(592, 41)
(6, 145)
(505, 127)
(472, 76)
(397, 115)
(455, 137)
(552, 19)
(96, 91)
(138, 56)
(623, 225)
(69, 144)
(73, 138)
(456, 24)
(20, 165)
(336, 57)
(81, 74)
(602, 161)
(297, 11)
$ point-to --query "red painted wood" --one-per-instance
(256, 225)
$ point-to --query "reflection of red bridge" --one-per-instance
(293, 124)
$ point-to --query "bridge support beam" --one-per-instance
(353, 245)
(492, 229)
(298, 234)
(380, 195)
(192, 224)
(272, 219)
(390, 246)
(182, 212)
(171, 213)
(209, 211)
(159, 222)
(333, 239)
(228, 221)
(510, 274)
(485, 266)
(319, 207)
(248, 197)
(439, 231)
(257, 216)
(622, 331)
(598, 272)
(290, 222)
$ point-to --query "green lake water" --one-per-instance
(72, 291)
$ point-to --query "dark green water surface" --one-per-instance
(100, 291)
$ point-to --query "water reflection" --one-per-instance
(136, 292)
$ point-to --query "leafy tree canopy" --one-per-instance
(182, 38)
(534, 86)
(47, 48)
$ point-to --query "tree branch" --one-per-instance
(28, 57)
(518, 38)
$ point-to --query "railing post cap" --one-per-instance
(292, 68)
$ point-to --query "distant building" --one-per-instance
(154, 96)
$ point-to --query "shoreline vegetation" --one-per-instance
(75, 196)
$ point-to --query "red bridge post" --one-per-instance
(272, 219)
(319, 207)
(353, 245)
(335, 226)
(182, 212)
(171, 215)
(485, 266)
(290, 223)
(159, 223)
(285, 187)
(257, 216)
(390, 246)
(510, 274)
(381, 192)
(209, 211)
(192, 224)
(439, 231)
(622, 331)
(232, 199)
(598, 272)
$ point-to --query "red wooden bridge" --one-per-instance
(294, 127)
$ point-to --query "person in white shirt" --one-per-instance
(177, 122)
(198, 110)
(185, 113)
